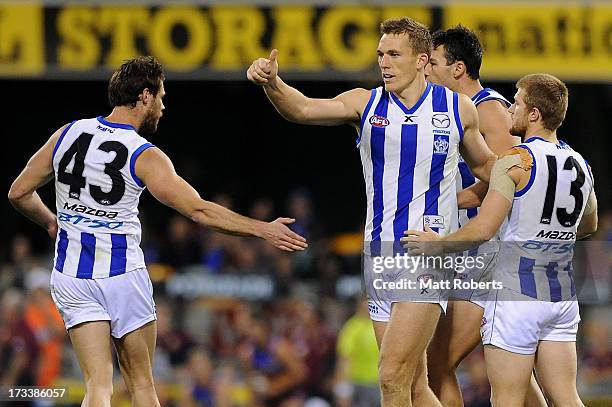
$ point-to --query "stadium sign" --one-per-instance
(87, 41)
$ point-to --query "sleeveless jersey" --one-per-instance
(409, 159)
(97, 194)
(535, 256)
(465, 178)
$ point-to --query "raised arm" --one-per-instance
(157, 172)
(473, 148)
(294, 106)
(37, 172)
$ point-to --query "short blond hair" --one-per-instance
(548, 94)
(419, 36)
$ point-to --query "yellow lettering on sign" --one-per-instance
(21, 40)
(123, 24)
(422, 14)
(199, 37)
(360, 52)
(78, 48)
(294, 38)
(239, 34)
(572, 42)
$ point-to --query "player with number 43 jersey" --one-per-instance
(545, 190)
(100, 284)
(99, 229)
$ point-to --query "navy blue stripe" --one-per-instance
(438, 99)
(135, 155)
(526, 277)
(457, 116)
(118, 254)
(553, 281)
(364, 115)
(61, 137)
(88, 256)
(436, 175)
(115, 125)
(504, 101)
(481, 94)
(405, 180)
(417, 104)
(531, 176)
(588, 169)
(467, 180)
(377, 151)
(62, 246)
(570, 274)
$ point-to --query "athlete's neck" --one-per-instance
(544, 134)
(413, 92)
(469, 87)
(125, 115)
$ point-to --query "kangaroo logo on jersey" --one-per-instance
(440, 120)
(379, 121)
(440, 144)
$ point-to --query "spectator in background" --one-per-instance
(175, 342)
(203, 392)
(272, 363)
(18, 348)
(20, 261)
(596, 365)
(356, 378)
(182, 247)
(46, 323)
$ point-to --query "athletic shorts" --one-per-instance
(411, 286)
(126, 300)
(481, 272)
(516, 323)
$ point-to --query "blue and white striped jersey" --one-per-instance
(409, 159)
(465, 178)
(97, 194)
(535, 257)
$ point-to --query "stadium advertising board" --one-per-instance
(323, 42)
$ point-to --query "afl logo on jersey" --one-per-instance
(440, 144)
(440, 120)
(379, 121)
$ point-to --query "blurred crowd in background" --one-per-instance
(243, 324)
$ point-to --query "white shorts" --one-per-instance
(126, 300)
(380, 310)
(517, 323)
(477, 274)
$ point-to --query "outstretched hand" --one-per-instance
(264, 70)
(280, 236)
(419, 242)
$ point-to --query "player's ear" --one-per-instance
(534, 114)
(145, 96)
(459, 69)
(422, 60)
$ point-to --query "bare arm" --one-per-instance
(157, 172)
(495, 124)
(588, 223)
(38, 171)
(473, 148)
(472, 196)
(294, 106)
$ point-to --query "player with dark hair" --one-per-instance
(455, 63)
(100, 283)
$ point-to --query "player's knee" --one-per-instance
(393, 374)
(141, 382)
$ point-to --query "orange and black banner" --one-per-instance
(87, 41)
